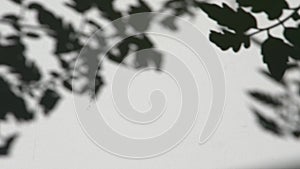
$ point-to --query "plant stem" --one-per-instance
(280, 22)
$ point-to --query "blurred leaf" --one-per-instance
(67, 85)
(64, 64)
(49, 100)
(13, 37)
(64, 34)
(13, 57)
(266, 73)
(265, 98)
(127, 45)
(17, 1)
(80, 6)
(169, 22)
(98, 84)
(55, 74)
(146, 58)
(11, 17)
(296, 134)
(228, 40)
(32, 35)
(140, 22)
(239, 21)
(5, 148)
(93, 23)
(275, 54)
(107, 9)
(12, 103)
(267, 123)
(142, 7)
(273, 8)
(180, 7)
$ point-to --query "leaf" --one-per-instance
(239, 21)
(64, 33)
(13, 37)
(179, 7)
(296, 16)
(67, 85)
(64, 64)
(11, 17)
(146, 58)
(169, 22)
(49, 100)
(55, 74)
(98, 84)
(126, 45)
(32, 35)
(29, 73)
(13, 56)
(108, 10)
(143, 7)
(12, 104)
(292, 35)
(140, 22)
(265, 98)
(273, 8)
(228, 40)
(275, 54)
(5, 148)
(17, 1)
(93, 23)
(80, 6)
(296, 133)
(267, 123)
(268, 75)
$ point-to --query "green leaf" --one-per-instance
(273, 8)
(239, 21)
(228, 40)
(275, 54)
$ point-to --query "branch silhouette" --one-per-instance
(281, 54)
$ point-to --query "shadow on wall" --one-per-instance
(238, 28)
(30, 84)
(280, 53)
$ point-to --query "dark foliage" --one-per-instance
(267, 123)
(5, 149)
(266, 98)
(281, 53)
(68, 39)
(64, 33)
(237, 23)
